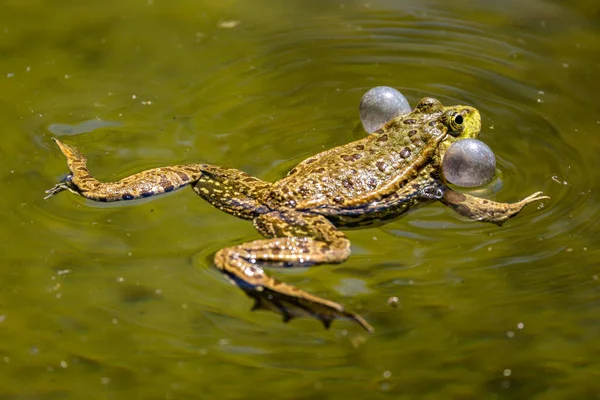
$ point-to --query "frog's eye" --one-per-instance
(454, 122)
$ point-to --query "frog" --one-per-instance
(304, 215)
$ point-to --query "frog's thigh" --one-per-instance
(486, 210)
(334, 246)
(243, 264)
(232, 191)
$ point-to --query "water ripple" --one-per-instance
(292, 89)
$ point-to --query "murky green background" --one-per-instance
(121, 301)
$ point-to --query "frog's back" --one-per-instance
(359, 172)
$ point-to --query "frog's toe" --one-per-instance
(300, 304)
(56, 189)
(60, 187)
(537, 196)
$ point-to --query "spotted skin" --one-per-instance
(366, 182)
(233, 191)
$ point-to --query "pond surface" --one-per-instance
(122, 301)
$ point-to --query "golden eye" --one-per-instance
(454, 121)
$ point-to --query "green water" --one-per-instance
(121, 301)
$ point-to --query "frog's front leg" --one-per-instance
(485, 210)
(295, 240)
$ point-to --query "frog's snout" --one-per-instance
(471, 122)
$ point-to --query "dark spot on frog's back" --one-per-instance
(128, 196)
(412, 133)
(409, 121)
(405, 152)
(381, 166)
(311, 160)
(349, 157)
(338, 199)
(383, 138)
(359, 147)
(347, 183)
(303, 190)
(147, 193)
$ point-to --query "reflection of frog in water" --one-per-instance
(371, 180)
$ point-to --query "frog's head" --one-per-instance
(459, 122)
(462, 122)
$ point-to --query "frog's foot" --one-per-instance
(295, 240)
(65, 184)
(242, 265)
(533, 198)
(486, 210)
(56, 189)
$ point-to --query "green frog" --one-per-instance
(369, 181)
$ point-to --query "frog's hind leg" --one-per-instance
(233, 191)
(295, 240)
(486, 210)
(143, 184)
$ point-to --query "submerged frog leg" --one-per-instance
(296, 240)
(486, 210)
